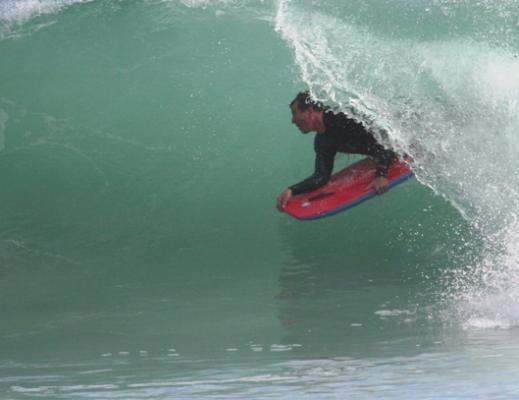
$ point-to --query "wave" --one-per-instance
(19, 11)
(447, 97)
(437, 80)
(15, 14)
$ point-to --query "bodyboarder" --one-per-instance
(335, 132)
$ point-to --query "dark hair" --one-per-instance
(305, 101)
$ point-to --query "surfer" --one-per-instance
(335, 133)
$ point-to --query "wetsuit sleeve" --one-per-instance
(323, 170)
(383, 160)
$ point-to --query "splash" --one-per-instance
(450, 100)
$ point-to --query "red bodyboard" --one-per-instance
(347, 188)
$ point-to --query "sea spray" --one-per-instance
(450, 101)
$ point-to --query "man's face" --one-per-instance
(302, 119)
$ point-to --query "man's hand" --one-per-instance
(283, 199)
(380, 185)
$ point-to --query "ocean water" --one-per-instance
(143, 144)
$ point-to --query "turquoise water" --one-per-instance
(143, 145)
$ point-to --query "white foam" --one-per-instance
(21, 389)
(15, 14)
(95, 371)
(256, 348)
(20, 11)
(209, 3)
(280, 348)
(485, 323)
(486, 296)
(393, 313)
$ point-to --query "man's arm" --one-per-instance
(324, 158)
(383, 160)
(323, 170)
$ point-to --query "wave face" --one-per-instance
(143, 144)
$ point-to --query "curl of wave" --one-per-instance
(449, 98)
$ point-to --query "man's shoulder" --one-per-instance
(332, 115)
(337, 120)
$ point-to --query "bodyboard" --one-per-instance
(346, 189)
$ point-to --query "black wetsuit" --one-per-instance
(343, 135)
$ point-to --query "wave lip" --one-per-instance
(20, 11)
(15, 14)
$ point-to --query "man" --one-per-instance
(335, 133)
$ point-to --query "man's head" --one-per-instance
(306, 112)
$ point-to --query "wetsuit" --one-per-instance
(343, 135)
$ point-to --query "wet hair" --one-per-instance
(305, 101)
